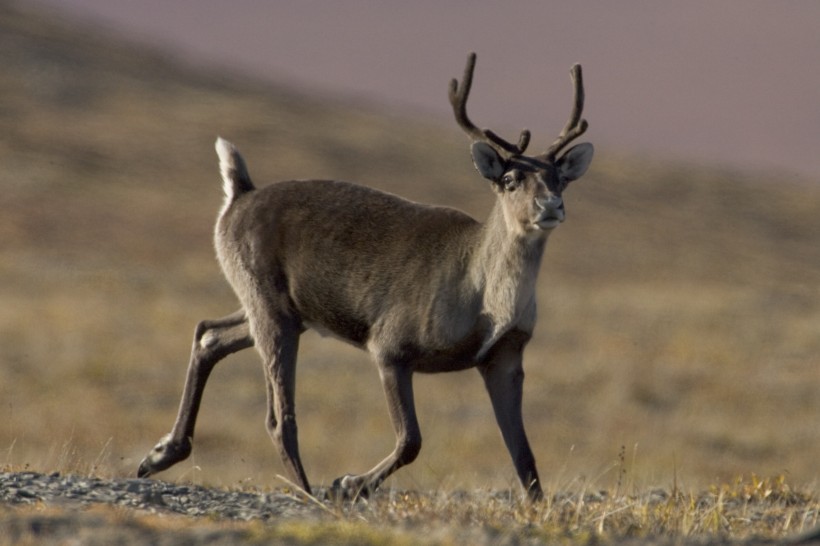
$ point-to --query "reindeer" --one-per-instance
(422, 288)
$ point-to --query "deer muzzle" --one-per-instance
(550, 212)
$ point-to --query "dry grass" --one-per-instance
(679, 305)
(747, 509)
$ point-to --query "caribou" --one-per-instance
(423, 289)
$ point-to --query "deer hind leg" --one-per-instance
(213, 341)
(503, 376)
(278, 343)
(398, 387)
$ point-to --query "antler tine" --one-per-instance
(458, 99)
(576, 126)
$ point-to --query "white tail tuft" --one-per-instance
(235, 177)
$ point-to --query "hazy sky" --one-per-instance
(732, 82)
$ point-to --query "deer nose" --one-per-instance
(551, 212)
(551, 203)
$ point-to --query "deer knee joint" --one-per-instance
(283, 429)
(409, 448)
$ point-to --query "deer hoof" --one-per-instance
(348, 487)
(164, 455)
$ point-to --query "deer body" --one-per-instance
(421, 288)
(355, 274)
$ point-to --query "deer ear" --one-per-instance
(487, 161)
(575, 162)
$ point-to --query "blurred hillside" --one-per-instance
(680, 307)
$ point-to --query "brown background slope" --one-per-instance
(733, 83)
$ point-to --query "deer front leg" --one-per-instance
(213, 341)
(398, 387)
(503, 375)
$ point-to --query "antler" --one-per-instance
(458, 98)
(576, 126)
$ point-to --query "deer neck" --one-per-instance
(505, 272)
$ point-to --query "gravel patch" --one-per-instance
(28, 488)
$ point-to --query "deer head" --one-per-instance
(529, 188)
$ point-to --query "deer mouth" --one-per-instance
(549, 219)
(547, 223)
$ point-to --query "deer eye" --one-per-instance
(511, 181)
